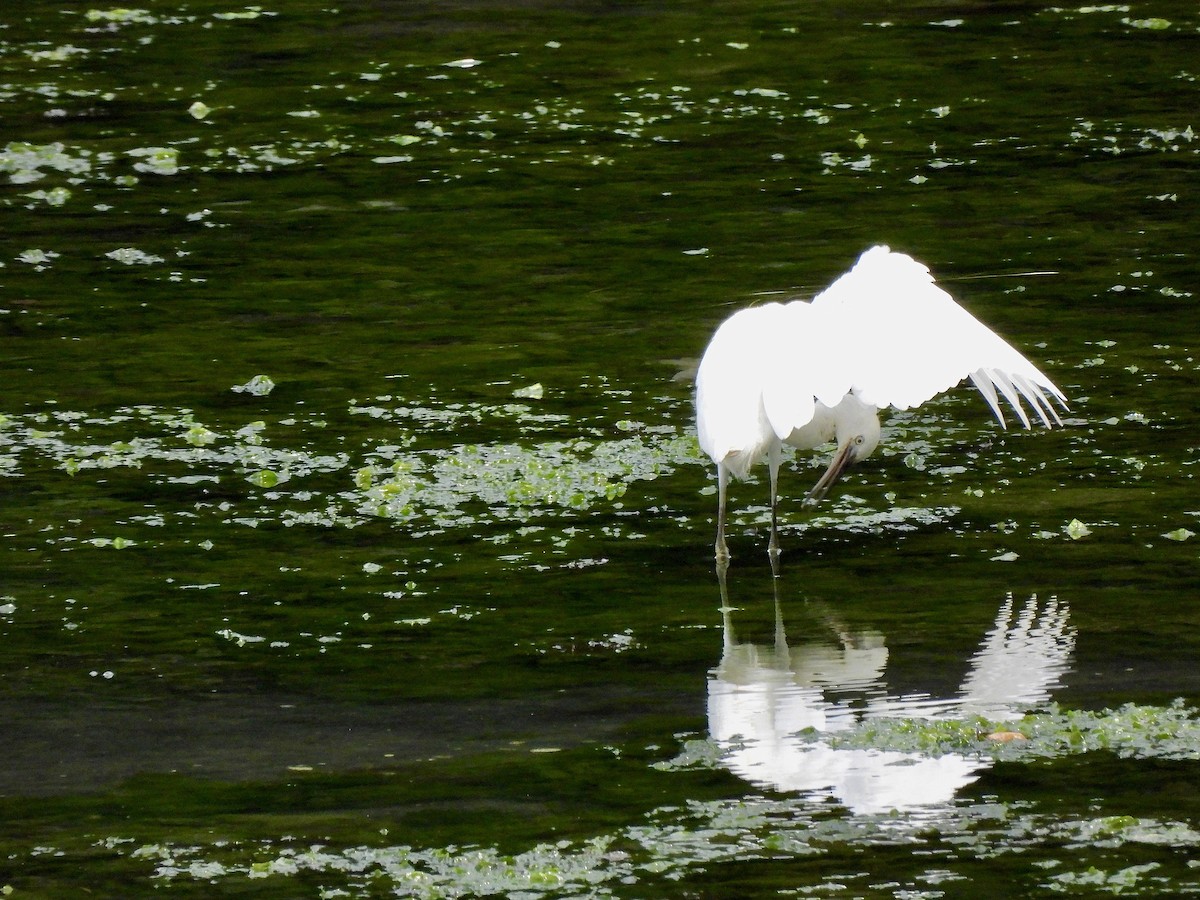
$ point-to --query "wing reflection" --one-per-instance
(762, 696)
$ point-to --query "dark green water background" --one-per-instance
(436, 616)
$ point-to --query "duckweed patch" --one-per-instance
(422, 477)
(446, 487)
(1131, 731)
(675, 844)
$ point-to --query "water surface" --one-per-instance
(428, 609)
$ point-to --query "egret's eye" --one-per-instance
(858, 440)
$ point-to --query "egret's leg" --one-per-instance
(722, 489)
(774, 456)
(726, 610)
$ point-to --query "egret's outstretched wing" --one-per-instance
(901, 340)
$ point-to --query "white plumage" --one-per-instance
(884, 334)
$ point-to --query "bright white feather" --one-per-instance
(884, 334)
(884, 331)
(897, 339)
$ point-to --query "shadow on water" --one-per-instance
(776, 709)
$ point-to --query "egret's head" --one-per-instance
(857, 437)
(862, 436)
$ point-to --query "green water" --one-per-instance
(432, 611)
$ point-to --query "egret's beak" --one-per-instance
(841, 461)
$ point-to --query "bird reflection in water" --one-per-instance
(762, 696)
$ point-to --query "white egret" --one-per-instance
(799, 373)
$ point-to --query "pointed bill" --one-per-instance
(841, 461)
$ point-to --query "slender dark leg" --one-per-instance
(722, 489)
(722, 567)
(773, 463)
